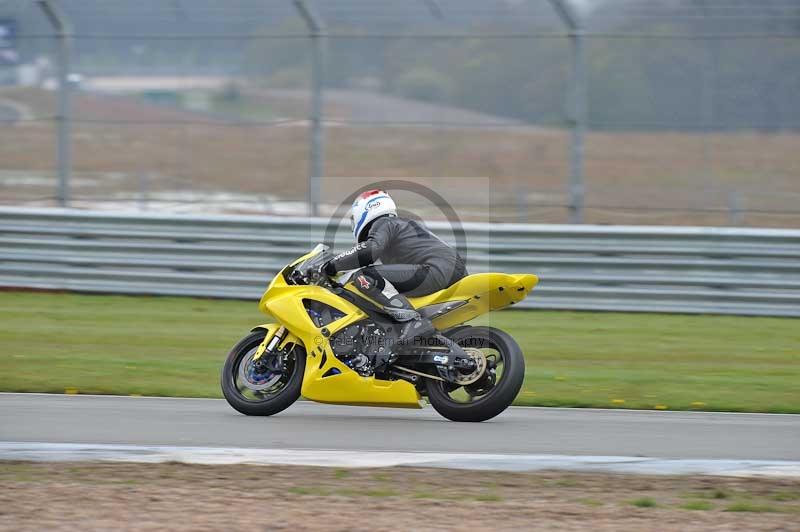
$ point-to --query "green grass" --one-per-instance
(176, 346)
(697, 505)
(488, 497)
(644, 502)
(751, 507)
(591, 502)
(715, 493)
(681, 362)
(783, 496)
(300, 490)
(370, 493)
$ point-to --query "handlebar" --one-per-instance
(309, 273)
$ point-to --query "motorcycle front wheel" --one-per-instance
(495, 390)
(258, 392)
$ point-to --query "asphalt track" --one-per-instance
(212, 423)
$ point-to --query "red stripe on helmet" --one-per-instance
(369, 193)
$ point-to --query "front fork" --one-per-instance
(270, 346)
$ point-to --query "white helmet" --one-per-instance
(368, 206)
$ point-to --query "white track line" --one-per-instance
(355, 459)
(513, 407)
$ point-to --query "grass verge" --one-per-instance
(52, 342)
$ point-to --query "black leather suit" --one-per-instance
(413, 261)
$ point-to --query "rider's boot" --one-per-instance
(413, 327)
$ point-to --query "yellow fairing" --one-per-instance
(483, 292)
(285, 303)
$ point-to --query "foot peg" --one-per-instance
(401, 314)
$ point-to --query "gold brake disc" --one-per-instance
(480, 367)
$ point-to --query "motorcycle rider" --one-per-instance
(413, 261)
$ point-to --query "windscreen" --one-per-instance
(317, 257)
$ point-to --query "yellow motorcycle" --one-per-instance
(330, 344)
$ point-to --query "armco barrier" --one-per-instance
(617, 268)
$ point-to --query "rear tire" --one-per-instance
(270, 403)
(500, 396)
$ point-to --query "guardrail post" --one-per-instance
(736, 208)
(144, 189)
(63, 118)
(577, 106)
(522, 202)
(316, 167)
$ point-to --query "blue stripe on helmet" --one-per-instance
(364, 215)
(358, 225)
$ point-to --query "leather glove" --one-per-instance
(328, 269)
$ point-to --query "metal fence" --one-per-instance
(623, 268)
(659, 112)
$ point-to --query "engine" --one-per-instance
(359, 346)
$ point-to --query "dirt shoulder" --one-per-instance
(101, 496)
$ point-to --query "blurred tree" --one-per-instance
(264, 58)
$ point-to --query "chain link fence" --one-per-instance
(623, 112)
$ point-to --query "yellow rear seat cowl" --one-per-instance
(483, 292)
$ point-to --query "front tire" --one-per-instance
(486, 398)
(261, 394)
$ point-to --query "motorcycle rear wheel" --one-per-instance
(492, 394)
(260, 394)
